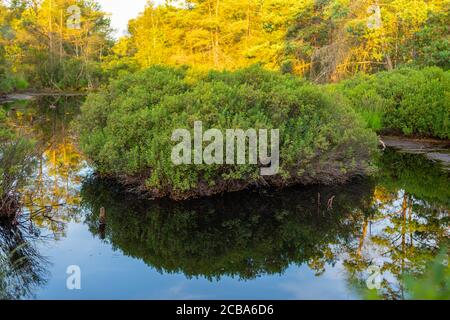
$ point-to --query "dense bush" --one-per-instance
(410, 101)
(66, 74)
(126, 129)
(10, 83)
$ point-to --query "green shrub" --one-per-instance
(6, 85)
(20, 83)
(126, 129)
(287, 66)
(410, 101)
(70, 73)
(5, 132)
(9, 84)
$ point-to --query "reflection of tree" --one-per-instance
(409, 222)
(55, 183)
(50, 197)
(22, 268)
(242, 235)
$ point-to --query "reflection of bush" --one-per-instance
(242, 235)
(416, 175)
(16, 163)
(56, 178)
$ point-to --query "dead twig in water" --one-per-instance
(330, 203)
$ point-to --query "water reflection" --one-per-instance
(397, 221)
(23, 269)
(53, 188)
(50, 197)
(408, 223)
(245, 235)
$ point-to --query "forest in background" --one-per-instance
(40, 48)
(322, 40)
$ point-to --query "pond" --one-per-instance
(301, 243)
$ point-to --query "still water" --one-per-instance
(301, 243)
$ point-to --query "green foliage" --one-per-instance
(39, 45)
(9, 83)
(431, 44)
(5, 85)
(5, 132)
(325, 40)
(410, 101)
(126, 129)
(114, 67)
(211, 34)
(69, 73)
(332, 38)
(21, 83)
(287, 66)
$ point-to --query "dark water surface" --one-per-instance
(302, 243)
